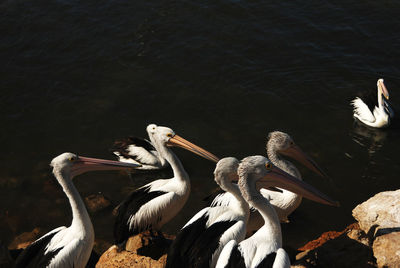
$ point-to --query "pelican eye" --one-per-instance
(72, 159)
(268, 166)
(169, 135)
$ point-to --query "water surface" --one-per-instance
(76, 76)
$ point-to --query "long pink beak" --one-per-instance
(181, 142)
(295, 152)
(84, 164)
(279, 178)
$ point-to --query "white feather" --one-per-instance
(361, 111)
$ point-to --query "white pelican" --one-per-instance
(154, 204)
(284, 202)
(371, 113)
(68, 246)
(264, 248)
(139, 151)
(200, 241)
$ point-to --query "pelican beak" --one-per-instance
(84, 164)
(279, 178)
(181, 142)
(383, 89)
(295, 152)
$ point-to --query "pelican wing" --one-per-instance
(197, 242)
(223, 199)
(362, 111)
(129, 207)
(137, 150)
(231, 256)
(35, 254)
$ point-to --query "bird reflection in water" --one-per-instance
(371, 138)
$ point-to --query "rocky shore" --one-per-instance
(372, 241)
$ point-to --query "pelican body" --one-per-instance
(200, 241)
(374, 114)
(156, 203)
(67, 247)
(264, 248)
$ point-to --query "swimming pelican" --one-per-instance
(68, 246)
(200, 241)
(139, 151)
(284, 202)
(264, 248)
(370, 113)
(156, 203)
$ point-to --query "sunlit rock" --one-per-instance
(379, 217)
(142, 251)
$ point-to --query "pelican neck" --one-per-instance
(80, 217)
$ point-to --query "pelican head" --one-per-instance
(164, 136)
(382, 88)
(285, 145)
(76, 165)
(259, 169)
(226, 170)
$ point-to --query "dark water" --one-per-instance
(75, 76)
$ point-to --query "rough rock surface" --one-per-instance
(379, 217)
(25, 239)
(387, 250)
(140, 251)
(337, 249)
(379, 214)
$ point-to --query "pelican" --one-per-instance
(284, 202)
(152, 205)
(264, 248)
(139, 151)
(370, 113)
(68, 246)
(200, 241)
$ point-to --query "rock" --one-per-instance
(113, 258)
(336, 249)
(379, 217)
(96, 202)
(25, 239)
(379, 213)
(387, 250)
(141, 251)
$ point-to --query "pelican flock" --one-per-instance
(374, 111)
(264, 248)
(284, 202)
(259, 193)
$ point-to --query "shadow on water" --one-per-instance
(373, 139)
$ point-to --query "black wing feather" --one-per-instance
(128, 207)
(268, 261)
(236, 259)
(121, 146)
(195, 244)
(34, 255)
